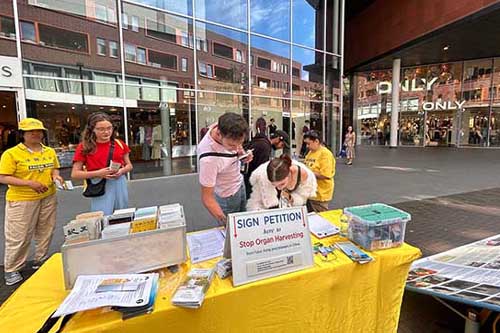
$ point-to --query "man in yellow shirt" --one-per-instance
(30, 169)
(321, 162)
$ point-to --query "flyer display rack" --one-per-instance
(133, 253)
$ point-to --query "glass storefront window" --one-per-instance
(231, 13)
(274, 23)
(307, 75)
(221, 69)
(307, 23)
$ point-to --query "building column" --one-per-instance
(396, 71)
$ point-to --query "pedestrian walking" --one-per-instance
(103, 162)
(30, 170)
(350, 143)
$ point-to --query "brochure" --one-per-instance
(206, 245)
(191, 293)
(353, 252)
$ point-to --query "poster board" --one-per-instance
(268, 243)
(468, 274)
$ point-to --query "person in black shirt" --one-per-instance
(272, 127)
(261, 146)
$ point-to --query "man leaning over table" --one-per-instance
(321, 162)
(222, 185)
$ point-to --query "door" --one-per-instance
(8, 120)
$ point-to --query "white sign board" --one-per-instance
(269, 243)
(10, 72)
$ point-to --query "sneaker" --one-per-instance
(38, 263)
(12, 278)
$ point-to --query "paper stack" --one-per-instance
(191, 293)
(170, 216)
(82, 230)
(130, 312)
(224, 268)
(116, 230)
(144, 219)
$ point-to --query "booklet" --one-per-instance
(353, 252)
(191, 293)
(206, 244)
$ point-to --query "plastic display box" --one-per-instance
(377, 226)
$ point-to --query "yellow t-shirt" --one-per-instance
(22, 163)
(323, 163)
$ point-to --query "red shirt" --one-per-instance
(99, 159)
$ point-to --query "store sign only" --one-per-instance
(430, 106)
(10, 72)
(385, 87)
(268, 243)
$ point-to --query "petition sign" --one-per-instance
(269, 243)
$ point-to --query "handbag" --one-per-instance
(98, 189)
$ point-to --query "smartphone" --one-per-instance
(247, 153)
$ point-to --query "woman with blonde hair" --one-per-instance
(103, 162)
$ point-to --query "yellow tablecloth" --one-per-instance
(335, 296)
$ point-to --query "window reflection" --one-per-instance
(308, 23)
(223, 66)
(274, 23)
(307, 74)
(231, 13)
(270, 68)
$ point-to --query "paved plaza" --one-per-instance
(452, 195)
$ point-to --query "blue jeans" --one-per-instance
(115, 197)
(235, 203)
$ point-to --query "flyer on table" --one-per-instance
(269, 243)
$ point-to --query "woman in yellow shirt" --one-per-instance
(30, 169)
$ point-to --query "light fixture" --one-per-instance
(4, 106)
(446, 47)
(45, 105)
(72, 108)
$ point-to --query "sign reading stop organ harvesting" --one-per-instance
(269, 243)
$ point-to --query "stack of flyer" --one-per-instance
(144, 219)
(131, 294)
(353, 252)
(170, 216)
(191, 293)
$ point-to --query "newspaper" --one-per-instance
(205, 245)
(471, 272)
(94, 291)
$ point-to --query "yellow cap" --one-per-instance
(31, 124)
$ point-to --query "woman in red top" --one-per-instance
(91, 162)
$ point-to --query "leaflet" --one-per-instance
(89, 292)
(205, 245)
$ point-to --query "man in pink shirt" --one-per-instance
(222, 186)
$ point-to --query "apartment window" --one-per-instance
(124, 21)
(64, 39)
(109, 89)
(251, 60)
(274, 66)
(47, 84)
(75, 87)
(141, 55)
(162, 60)
(223, 74)
(223, 51)
(113, 49)
(149, 93)
(111, 15)
(284, 68)
(264, 83)
(73, 6)
(184, 38)
(135, 23)
(28, 31)
(130, 54)
(205, 70)
(101, 47)
(161, 31)
(202, 45)
(101, 13)
(184, 64)
(239, 56)
(295, 72)
(7, 28)
(264, 63)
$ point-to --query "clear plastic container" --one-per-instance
(377, 226)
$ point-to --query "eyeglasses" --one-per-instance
(104, 129)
